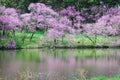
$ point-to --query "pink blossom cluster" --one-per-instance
(73, 15)
(29, 24)
(110, 22)
(9, 20)
(105, 26)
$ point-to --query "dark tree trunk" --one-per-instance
(32, 36)
(54, 45)
(3, 32)
(23, 39)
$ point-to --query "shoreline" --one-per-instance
(64, 47)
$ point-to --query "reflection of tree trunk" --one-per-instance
(32, 36)
(95, 56)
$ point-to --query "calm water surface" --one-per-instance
(62, 64)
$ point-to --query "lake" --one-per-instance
(58, 64)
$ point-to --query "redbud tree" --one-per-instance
(106, 25)
(9, 21)
(49, 20)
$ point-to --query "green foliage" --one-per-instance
(59, 4)
(111, 3)
(19, 4)
(3, 42)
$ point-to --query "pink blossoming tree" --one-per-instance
(9, 20)
(50, 21)
(107, 25)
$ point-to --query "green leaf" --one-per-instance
(68, 0)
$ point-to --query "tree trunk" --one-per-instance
(3, 32)
(32, 36)
(95, 39)
(13, 33)
(54, 44)
(23, 39)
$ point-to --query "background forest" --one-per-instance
(60, 4)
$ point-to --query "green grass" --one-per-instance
(82, 40)
(27, 42)
(104, 78)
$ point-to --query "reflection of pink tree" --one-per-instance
(71, 61)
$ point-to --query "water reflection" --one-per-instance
(59, 64)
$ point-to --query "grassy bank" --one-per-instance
(27, 43)
(79, 41)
